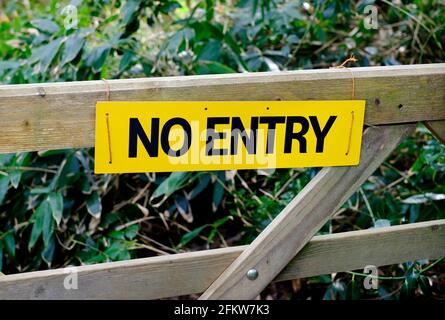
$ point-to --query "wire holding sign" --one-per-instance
(109, 138)
(226, 135)
(350, 133)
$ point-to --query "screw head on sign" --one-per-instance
(252, 274)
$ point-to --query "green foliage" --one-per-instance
(54, 211)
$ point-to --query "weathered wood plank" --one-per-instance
(437, 128)
(61, 115)
(272, 250)
(187, 273)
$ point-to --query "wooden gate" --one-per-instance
(61, 115)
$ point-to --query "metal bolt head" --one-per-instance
(252, 274)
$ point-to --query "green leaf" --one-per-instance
(320, 34)
(410, 282)
(129, 9)
(46, 25)
(254, 7)
(205, 30)
(48, 253)
(236, 50)
(94, 206)
(125, 61)
(233, 45)
(39, 215)
(213, 67)
(9, 241)
(406, 290)
(174, 42)
(72, 47)
(211, 51)
(40, 190)
(45, 54)
(8, 65)
(211, 235)
(21, 159)
(14, 178)
(116, 250)
(100, 56)
(131, 231)
(171, 184)
(189, 236)
(218, 223)
(4, 184)
(55, 200)
(218, 192)
(336, 290)
(330, 293)
(414, 212)
(108, 219)
(114, 234)
(210, 8)
(424, 285)
(353, 290)
(204, 180)
(48, 224)
(6, 158)
(56, 177)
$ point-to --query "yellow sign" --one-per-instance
(226, 135)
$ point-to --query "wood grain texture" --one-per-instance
(187, 273)
(437, 128)
(272, 250)
(61, 115)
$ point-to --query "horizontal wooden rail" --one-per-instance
(187, 273)
(61, 115)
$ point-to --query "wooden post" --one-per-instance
(272, 250)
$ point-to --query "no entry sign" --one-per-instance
(226, 135)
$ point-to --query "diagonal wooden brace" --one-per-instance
(437, 128)
(288, 233)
